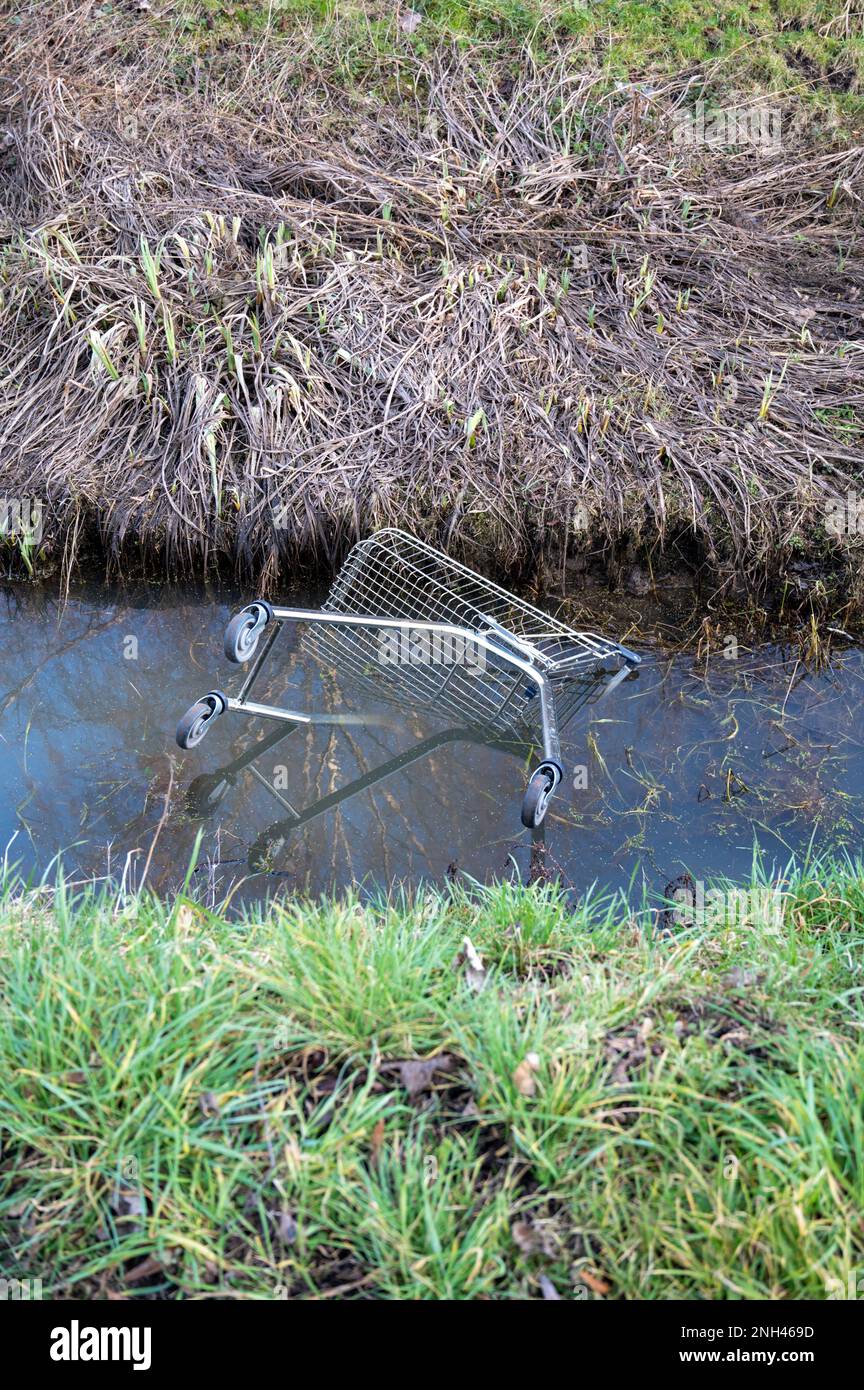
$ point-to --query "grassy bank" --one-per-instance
(349, 1101)
(814, 46)
(255, 302)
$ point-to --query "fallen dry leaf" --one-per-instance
(475, 970)
(524, 1077)
(525, 1237)
(149, 1265)
(208, 1104)
(286, 1226)
(417, 1077)
(377, 1140)
(738, 978)
(594, 1282)
(533, 1240)
(409, 21)
(184, 920)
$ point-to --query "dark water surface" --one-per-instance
(686, 766)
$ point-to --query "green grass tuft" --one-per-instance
(193, 1106)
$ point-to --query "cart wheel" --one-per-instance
(536, 800)
(243, 632)
(197, 720)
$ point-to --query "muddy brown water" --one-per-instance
(684, 768)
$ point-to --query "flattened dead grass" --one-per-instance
(246, 319)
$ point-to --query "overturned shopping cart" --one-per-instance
(408, 624)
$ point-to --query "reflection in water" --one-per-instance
(681, 768)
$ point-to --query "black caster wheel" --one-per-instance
(197, 720)
(537, 796)
(244, 631)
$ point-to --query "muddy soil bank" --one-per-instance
(675, 600)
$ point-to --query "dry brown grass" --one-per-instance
(499, 308)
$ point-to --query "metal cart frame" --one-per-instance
(521, 657)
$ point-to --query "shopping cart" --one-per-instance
(411, 626)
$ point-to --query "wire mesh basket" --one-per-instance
(393, 575)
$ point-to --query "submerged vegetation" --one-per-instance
(488, 1096)
(254, 305)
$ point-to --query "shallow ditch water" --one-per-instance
(684, 767)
